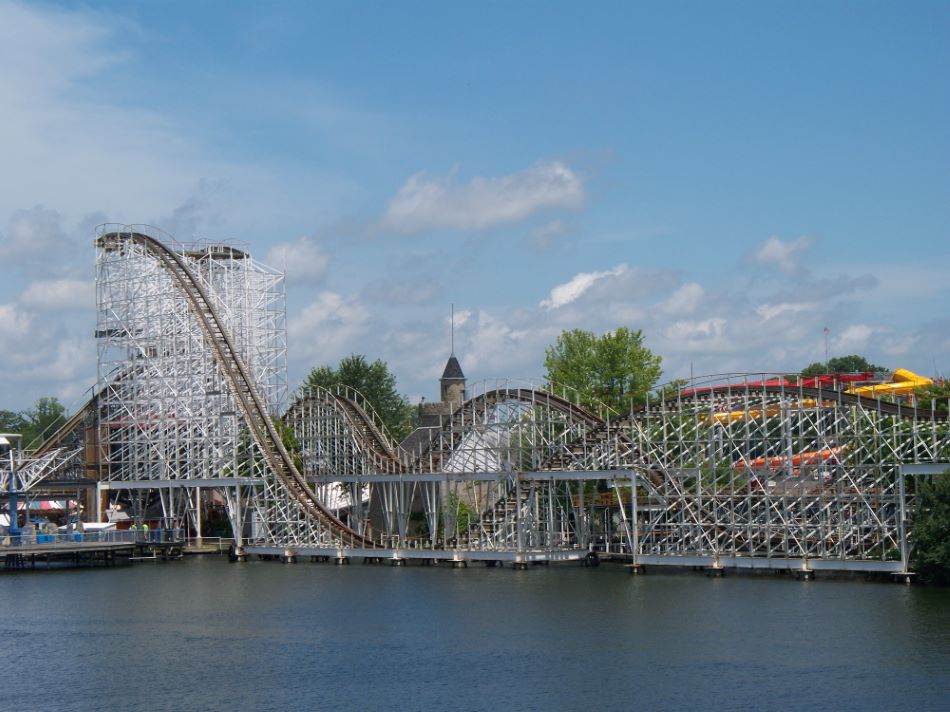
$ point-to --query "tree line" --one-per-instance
(36, 423)
(615, 369)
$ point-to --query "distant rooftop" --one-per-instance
(453, 371)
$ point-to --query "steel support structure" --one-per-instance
(165, 411)
(742, 474)
(506, 473)
(750, 472)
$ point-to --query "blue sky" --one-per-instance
(729, 178)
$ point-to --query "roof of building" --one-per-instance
(419, 440)
(452, 369)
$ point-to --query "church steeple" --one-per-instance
(452, 383)
(451, 390)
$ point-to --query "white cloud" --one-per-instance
(326, 329)
(78, 138)
(684, 301)
(68, 359)
(83, 146)
(568, 292)
(72, 149)
(33, 234)
(425, 203)
(784, 254)
(34, 41)
(60, 295)
(771, 311)
(196, 214)
(14, 324)
(43, 357)
(624, 288)
(902, 345)
(409, 292)
(303, 260)
(461, 317)
(496, 344)
(713, 327)
(853, 339)
(546, 236)
(907, 280)
(707, 334)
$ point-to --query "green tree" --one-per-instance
(375, 382)
(842, 364)
(11, 422)
(41, 421)
(931, 531)
(935, 396)
(464, 514)
(291, 444)
(670, 391)
(615, 369)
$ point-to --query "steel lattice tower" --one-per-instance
(166, 417)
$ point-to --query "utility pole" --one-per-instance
(826, 346)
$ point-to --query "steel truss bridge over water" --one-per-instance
(735, 472)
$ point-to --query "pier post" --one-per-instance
(198, 536)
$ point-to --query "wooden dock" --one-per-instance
(66, 555)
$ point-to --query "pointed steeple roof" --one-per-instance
(453, 371)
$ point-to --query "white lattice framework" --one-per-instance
(192, 376)
(730, 475)
(743, 473)
(473, 479)
(165, 411)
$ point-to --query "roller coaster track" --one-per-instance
(600, 431)
(822, 395)
(370, 433)
(533, 397)
(60, 434)
(455, 428)
(359, 419)
(597, 430)
(238, 376)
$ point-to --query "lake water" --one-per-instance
(203, 634)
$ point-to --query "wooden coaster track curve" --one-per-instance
(241, 383)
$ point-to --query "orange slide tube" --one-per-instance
(811, 457)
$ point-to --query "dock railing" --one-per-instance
(114, 536)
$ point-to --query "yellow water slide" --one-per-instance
(903, 383)
(727, 417)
